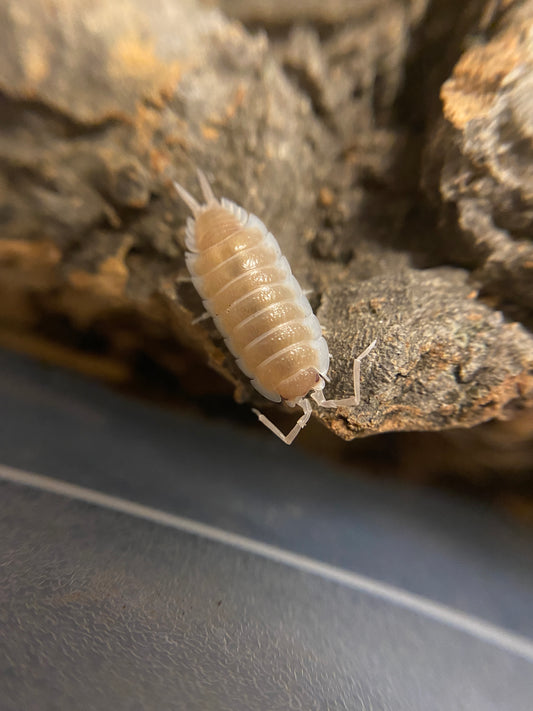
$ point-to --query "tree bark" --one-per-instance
(326, 128)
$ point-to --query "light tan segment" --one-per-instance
(213, 225)
(264, 321)
(286, 364)
(272, 342)
(225, 299)
(301, 382)
(227, 277)
(239, 241)
(253, 302)
(245, 283)
(257, 257)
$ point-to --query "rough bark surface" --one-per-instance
(479, 164)
(318, 117)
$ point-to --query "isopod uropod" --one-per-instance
(258, 306)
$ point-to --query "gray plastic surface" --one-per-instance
(254, 578)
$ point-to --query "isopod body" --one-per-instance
(258, 306)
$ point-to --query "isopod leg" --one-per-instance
(201, 318)
(318, 395)
(303, 420)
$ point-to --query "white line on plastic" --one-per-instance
(482, 630)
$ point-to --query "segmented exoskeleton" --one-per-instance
(258, 306)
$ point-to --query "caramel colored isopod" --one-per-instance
(258, 306)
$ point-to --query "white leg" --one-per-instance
(288, 439)
(318, 395)
(203, 317)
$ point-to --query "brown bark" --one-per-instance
(320, 130)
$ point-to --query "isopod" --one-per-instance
(258, 306)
